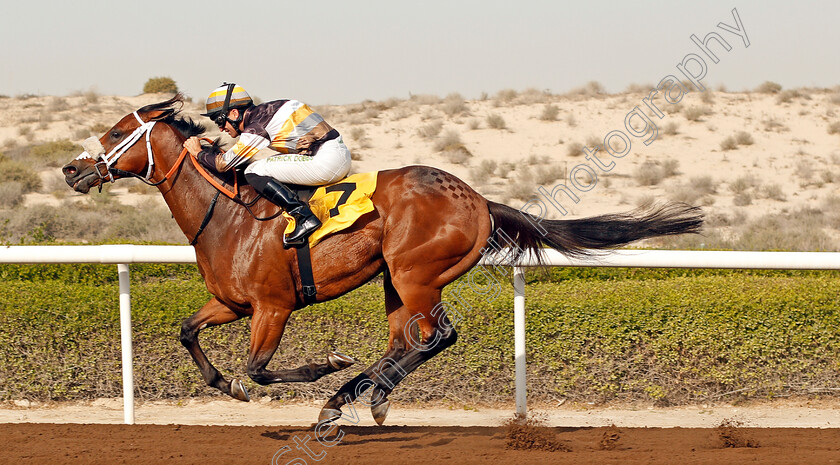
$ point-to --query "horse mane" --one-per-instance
(171, 115)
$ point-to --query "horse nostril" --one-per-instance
(69, 170)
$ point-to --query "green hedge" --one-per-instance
(669, 336)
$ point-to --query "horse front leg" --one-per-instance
(213, 313)
(267, 327)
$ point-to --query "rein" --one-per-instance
(232, 194)
(145, 128)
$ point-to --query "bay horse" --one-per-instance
(427, 229)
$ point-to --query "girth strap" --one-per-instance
(307, 281)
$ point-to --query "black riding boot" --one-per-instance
(305, 221)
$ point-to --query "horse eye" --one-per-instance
(115, 135)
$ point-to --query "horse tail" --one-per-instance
(578, 237)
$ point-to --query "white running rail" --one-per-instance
(123, 255)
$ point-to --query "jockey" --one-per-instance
(307, 150)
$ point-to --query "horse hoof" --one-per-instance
(380, 411)
(339, 361)
(329, 415)
(238, 391)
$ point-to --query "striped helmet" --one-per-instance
(225, 97)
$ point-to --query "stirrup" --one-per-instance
(304, 226)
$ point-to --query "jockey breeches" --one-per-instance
(330, 163)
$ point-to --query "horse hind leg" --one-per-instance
(406, 350)
(267, 327)
(213, 313)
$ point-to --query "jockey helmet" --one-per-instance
(223, 99)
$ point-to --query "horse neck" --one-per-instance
(187, 193)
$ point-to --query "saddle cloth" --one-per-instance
(339, 205)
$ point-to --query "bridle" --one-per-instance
(108, 160)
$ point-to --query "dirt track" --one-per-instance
(173, 444)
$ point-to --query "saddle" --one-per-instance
(338, 206)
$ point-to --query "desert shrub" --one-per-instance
(454, 104)
(55, 153)
(425, 99)
(484, 171)
(506, 95)
(522, 186)
(19, 172)
(449, 140)
(707, 97)
(160, 85)
(591, 89)
(99, 219)
(57, 104)
(11, 194)
(358, 136)
(401, 113)
(696, 113)
(744, 138)
(672, 128)
(645, 200)
(670, 167)
(729, 144)
(834, 128)
(769, 87)
(575, 149)
(534, 159)
(91, 96)
(371, 112)
(635, 88)
(495, 121)
(99, 128)
(452, 149)
(648, 174)
(805, 170)
(773, 124)
(549, 113)
(357, 133)
(505, 169)
(473, 124)
(704, 184)
(787, 96)
(801, 230)
(743, 183)
(570, 120)
(81, 133)
(533, 96)
(430, 130)
(549, 174)
(774, 192)
(457, 155)
(742, 199)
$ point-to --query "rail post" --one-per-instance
(127, 350)
(519, 342)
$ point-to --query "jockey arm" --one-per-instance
(246, 147)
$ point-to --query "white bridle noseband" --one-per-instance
(94, 149)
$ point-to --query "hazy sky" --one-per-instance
(347, 51)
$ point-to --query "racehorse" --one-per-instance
(427, 229)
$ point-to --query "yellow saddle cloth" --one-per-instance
(339, 205)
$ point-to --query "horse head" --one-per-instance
(127, 149)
